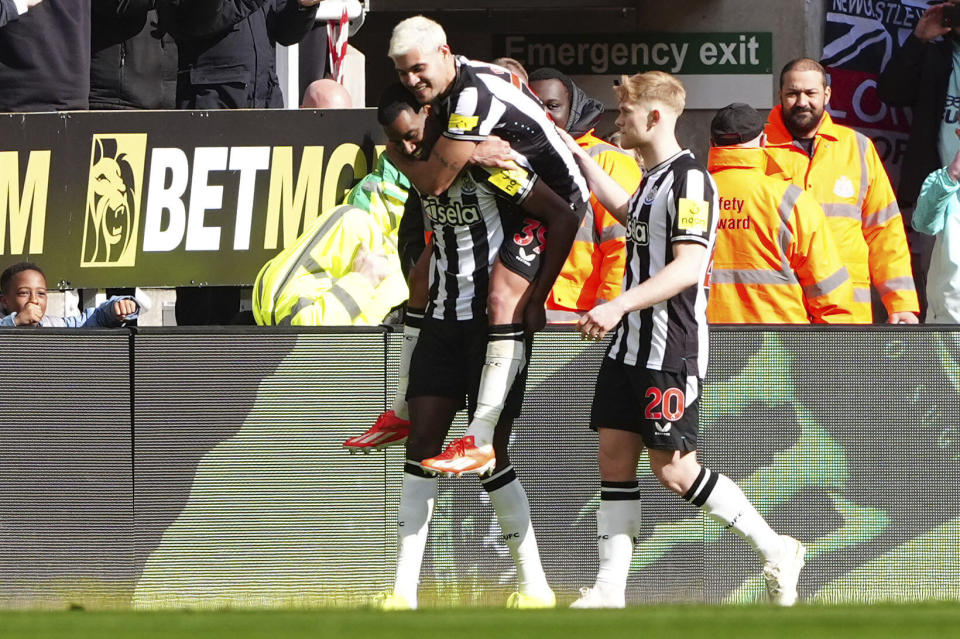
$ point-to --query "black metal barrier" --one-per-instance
(203, 467)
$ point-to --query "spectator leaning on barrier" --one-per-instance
(23, 294)
(133, 63)
(841, 169)
(593, 272)
(774, 261)
(938, 214)
(45, 56)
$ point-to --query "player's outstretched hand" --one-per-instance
(123, 308)
(575, 148)
(29, 316)
(600, 320)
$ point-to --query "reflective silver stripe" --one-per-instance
(586, 231)
(302, 303)
(597, 149)
(882, 216)
(790, 197)
(838, 209)
(863, 143)
(347, 300)
(751, 276)
(613, 232)
(896, 284)
(861, 295)
(557, 316)
(335, 216)
(312, 266)
(827, 284)
(789, 200)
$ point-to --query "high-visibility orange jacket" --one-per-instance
(593, 272)
(846, 177)
(774, 260)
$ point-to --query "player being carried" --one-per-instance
(649, 385)
(471, 223)
(474, 100)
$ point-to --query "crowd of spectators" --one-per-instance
(220, 54)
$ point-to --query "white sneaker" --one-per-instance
(782, 575)
(599, 597)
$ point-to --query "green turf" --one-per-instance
(661, 622)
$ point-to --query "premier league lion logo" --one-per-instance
(113, 200)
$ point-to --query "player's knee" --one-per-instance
(674, 476)
(615, 465)
(420, 446)
(501, 303)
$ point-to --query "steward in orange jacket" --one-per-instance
(593, 272)
(844, 174)
(774, 261)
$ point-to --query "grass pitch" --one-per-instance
(663, 622)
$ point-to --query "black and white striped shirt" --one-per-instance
(469, 222)
(676, 202)
(488, 100)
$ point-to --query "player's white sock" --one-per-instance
(418, 495)
(618, 525)
(505, 358)
(513, 513)
(412, 320)
(723, 500)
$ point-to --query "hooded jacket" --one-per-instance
(593, 272)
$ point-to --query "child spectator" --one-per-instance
(23, 294)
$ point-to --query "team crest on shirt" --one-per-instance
(651, 195)
(843, 187)
(467, 185)
(694, 215)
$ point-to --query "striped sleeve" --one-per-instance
(474, 115)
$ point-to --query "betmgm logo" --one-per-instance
(113, 199)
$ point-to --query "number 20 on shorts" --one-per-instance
(666, 404)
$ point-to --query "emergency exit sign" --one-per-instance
(715, 68)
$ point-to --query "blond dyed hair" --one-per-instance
(418, 32)
(653, 86)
